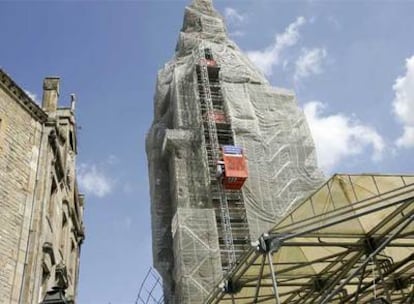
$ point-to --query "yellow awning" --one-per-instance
(351, 241)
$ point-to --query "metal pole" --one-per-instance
(359, 285)
(260, 279)
(269, 257)
(213, 140)
(332, 220)
(376, 264)
(410, 297)
(374, 253)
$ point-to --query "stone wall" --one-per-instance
(41, 210)
(20, 137)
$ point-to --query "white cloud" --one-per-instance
(93, 180)
(338, 137)
(407, 139)
(403, 104)
(233, 16)
(269, 57)
(33, 96)
(309, 63)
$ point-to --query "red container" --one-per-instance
(211, 62)
(208, 62)
(235, 171)
(217, 116)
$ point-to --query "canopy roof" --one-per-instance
(351, 241)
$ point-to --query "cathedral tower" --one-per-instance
(228, 155)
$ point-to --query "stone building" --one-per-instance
(41, 209)
(208, 97)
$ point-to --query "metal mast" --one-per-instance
(213, 151)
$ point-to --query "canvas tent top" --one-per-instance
(351, 241)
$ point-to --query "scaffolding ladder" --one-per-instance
(213, 145)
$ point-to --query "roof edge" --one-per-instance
(21, 96)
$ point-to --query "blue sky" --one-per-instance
(350, 63)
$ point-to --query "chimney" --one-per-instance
(50, 94)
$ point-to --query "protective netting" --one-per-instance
(196, 254)
(266, 123)
(272, 129)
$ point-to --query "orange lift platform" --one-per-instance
(233, 168)
(218, 116)
(212, 66)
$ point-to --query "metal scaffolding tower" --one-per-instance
(230, 211)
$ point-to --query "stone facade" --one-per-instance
(41, 210)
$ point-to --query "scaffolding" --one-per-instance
(150, 291)
(200, 104)
(351, 241)
(197, 266)
(216, 127)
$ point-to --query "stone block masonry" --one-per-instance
(20, 135)
(41, 210)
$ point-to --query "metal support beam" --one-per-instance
(361, 279)
(387, 294)
(256, 295)
(336, 278)
(346, 268)
(270, 261)
(393, 269)
(335, 219)
(364, 263)
(410, 298)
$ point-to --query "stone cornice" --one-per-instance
(20, 95)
